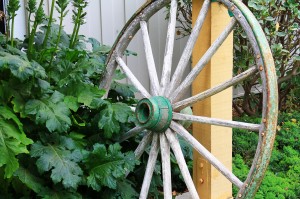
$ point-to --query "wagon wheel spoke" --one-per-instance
(174, 143)
(217, 122)
(150, 167)
(154, 83)
(166, 165)
(206, 154)
(203, 61)
(212, 91)
(187, 52)
(131, 133)
(132, 78)
(142, 146)
(167, 65)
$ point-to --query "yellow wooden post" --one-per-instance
(210, 183)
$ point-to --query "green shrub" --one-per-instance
(282, 179)
(280, 22)
(59, 138)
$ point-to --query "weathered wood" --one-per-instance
(132, 78)
(167, 65)
(185, 57)
(203, 61)
(174, 143)
(206, 154)
(166, 166)
(154, 83)
(212, 91)
(150, 167)
(143, 144)
(126, 35)
(217, 122)
(131, 133)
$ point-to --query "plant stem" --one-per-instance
(76, 26)
(49, 24)
(28, 23)
(33, 31)
(76, 35)
(7, 30)
(58, 37)
(12, 31)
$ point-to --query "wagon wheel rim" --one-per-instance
(164, 138)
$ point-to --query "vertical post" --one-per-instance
(209, 182)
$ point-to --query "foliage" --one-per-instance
(282, 179)
(12, 7)
(59, 137)
(280, 21)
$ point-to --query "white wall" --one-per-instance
(20, 22)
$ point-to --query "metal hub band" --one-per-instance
(154, 113)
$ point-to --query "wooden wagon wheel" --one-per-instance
(159, 113)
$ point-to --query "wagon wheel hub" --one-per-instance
(154, 113)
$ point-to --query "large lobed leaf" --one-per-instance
(60, 160)
(20, 67)
(106, 166)
(34, 183)
(111, 117)
(81, 93)
(13, 141)
(51, 111)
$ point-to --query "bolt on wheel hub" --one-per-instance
(154, 113)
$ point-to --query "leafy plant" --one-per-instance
(282, 179)
(280, 22)
(12, 7)
(59, 138)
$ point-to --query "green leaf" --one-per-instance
(44, 84)
(121, 112)
(20, 67)
(13, 141)
(108, 122)
(124, 90)
(111, 116)
(7, 114)
(269, 18)
(61, 161)
(51, 111)
(85, 93)
(106, 166)
(34, 183)
(72, 103)
(103, 49)
(126, 190)
(281, 34)
(90, 93)
(95, 43)
(129, 52)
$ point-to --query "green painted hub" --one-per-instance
(154, 113)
